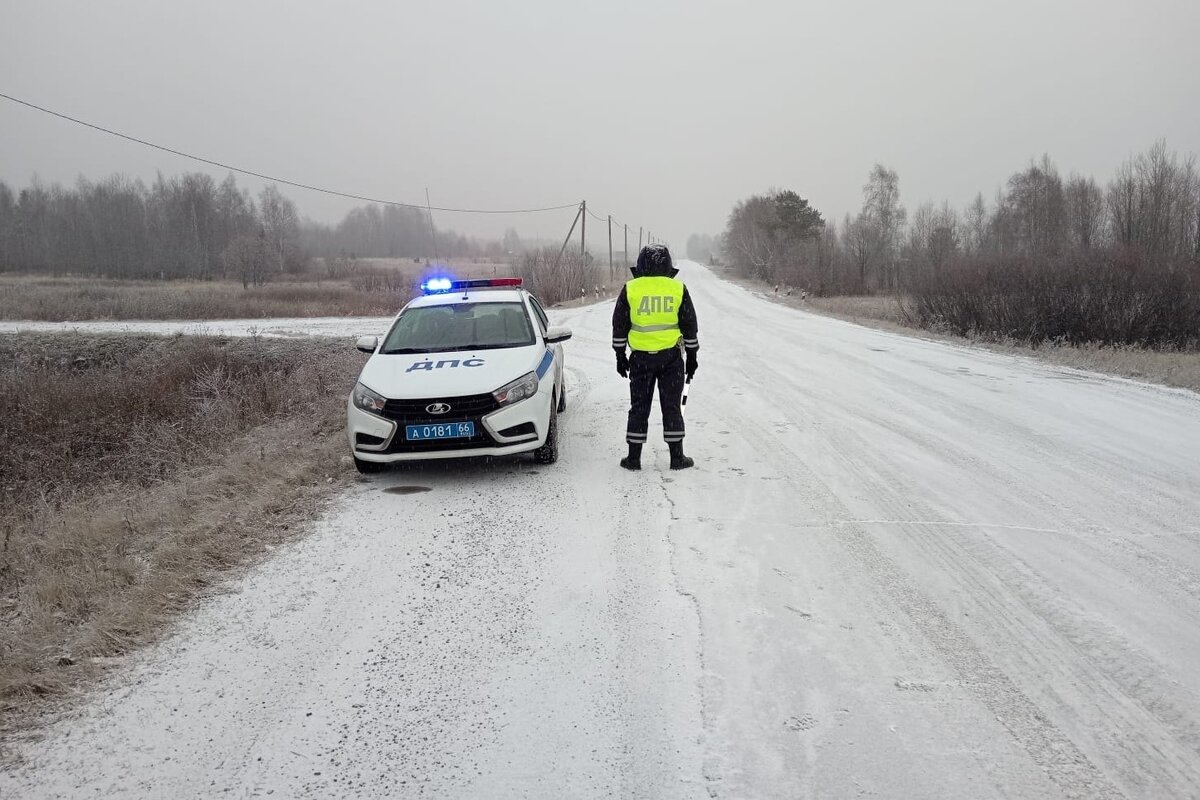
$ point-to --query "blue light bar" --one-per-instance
(443, 285)
(437, 285)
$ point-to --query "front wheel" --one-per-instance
(548, 452)
(368, 467)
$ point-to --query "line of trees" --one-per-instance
(776, 237)
(1050, 257)
(187, 226)
(375, 231)
(1150, 212)
(703, 248)
(192, 227)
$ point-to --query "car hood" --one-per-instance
(438, 375)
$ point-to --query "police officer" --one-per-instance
(655, 319)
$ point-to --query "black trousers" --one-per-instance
(646, 370)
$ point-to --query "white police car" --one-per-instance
(470, 368)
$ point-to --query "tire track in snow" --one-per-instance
(1126, 688)
(1046, 744)
(711, 773)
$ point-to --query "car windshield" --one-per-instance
(461, 326)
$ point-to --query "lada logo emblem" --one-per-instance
(437, 408)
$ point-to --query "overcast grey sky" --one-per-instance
(662, 113)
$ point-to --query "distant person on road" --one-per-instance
(655, 319)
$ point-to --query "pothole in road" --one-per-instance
(407, 489)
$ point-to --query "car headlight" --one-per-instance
(367, 400)
(521, 389)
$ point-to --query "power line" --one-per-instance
(426, 207)
(615, 221)
(282, 180)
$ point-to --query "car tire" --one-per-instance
(548, 452)
(562, 396)
(369, 467)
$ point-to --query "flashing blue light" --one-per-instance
(444, 285)
(437, 285)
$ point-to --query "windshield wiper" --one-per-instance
(458, 349)
(400, 351)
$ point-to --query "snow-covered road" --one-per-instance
(901, 569)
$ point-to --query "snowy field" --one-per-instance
(902, 569)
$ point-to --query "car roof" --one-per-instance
(471, 296)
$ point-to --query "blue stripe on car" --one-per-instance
(544, 367)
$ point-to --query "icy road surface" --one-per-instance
(902, 569)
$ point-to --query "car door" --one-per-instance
(544, 323)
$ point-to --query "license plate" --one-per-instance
(441, 430)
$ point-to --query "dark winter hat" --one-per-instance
(655, 259)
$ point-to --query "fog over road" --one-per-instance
(902, 568)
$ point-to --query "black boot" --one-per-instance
(678, 459)
(633, 461)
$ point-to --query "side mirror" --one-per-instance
(558, 335)
(368, 344)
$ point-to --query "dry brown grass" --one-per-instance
(1166, 367)
(132, 478)
(1180, 369)
(879, 308)
(363, 288)
(73, 299)
(459, 267)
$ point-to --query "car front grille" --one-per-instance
(471, 408)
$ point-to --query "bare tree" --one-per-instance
(920, 233)
(249, 257)
(944, 238)
(1085, 212)
(280, 225)
(885, 218)
(8, 226)
(1154, 205)
(827, 249)
(859, 240)
(976, 224)
(1037, 209)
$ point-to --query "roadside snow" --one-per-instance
(901, 569)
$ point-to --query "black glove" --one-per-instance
(622, 364)
(689, 367)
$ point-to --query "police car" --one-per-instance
(470, 368)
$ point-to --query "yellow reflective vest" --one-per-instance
(654, 312)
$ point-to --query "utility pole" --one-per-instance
(567, 240)
(432, 230)
(612, 273)
(583, 232)
(639, 240)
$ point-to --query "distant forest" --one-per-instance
(1048, 258)
(190, 226)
